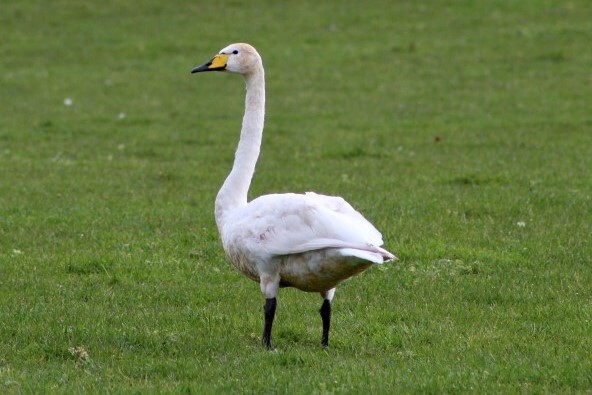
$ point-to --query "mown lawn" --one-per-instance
(462, 129)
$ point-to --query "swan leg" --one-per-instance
(269, 311)
(326, 315)
(269, 287)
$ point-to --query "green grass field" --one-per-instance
(462, 129)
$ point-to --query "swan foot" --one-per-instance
(269, 312)
(326, 317)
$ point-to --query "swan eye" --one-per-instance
(235, 51)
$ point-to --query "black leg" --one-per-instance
(326, 316)
(269, 311)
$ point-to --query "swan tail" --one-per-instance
(376, 255)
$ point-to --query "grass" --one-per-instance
(462, 130)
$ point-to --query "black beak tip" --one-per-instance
(203, 67)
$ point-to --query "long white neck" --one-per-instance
(233, 193)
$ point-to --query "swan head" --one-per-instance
(237, 58)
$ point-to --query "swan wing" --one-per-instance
(283, 224)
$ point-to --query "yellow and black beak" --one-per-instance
(216, 64)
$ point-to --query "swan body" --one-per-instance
(313, 241)
(308, 241)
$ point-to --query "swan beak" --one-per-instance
(216, 64)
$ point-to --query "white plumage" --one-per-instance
(308, 241)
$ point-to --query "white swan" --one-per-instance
(307, 241)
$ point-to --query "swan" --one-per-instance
(307, 241)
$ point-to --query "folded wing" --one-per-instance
(285, 224)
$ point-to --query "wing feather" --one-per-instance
(283, 224)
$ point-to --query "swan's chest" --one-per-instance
(242, 261)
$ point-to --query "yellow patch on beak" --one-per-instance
(219, 61)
